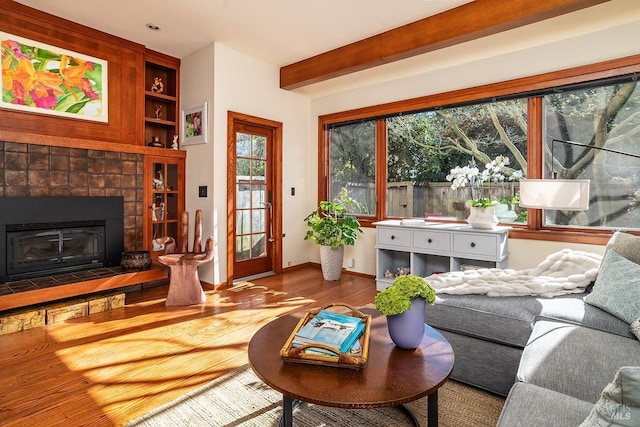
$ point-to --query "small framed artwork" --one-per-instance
(194, 125)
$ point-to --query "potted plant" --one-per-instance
(483, 213)
(482, 208)
(404, 304)
(332, 226)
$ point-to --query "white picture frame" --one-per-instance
(194, 125)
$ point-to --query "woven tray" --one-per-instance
(338, 359)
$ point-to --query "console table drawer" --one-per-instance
(432, 241)
(431, 248)
(394, 237)
(475, 244)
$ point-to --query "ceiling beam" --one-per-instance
(470, 21)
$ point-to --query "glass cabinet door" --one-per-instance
(166, 200)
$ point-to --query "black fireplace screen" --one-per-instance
(54, 249)
(43, 236)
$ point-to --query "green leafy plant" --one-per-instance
(522, 216)
(397, 298)
(332, 224)
(483, 203)
(511, 202)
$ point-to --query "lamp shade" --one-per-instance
(558, 194)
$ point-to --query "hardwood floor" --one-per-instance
(108, 368)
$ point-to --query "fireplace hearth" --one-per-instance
(44, 236)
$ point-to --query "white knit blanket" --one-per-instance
(564, 272)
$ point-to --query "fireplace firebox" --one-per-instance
(43, 236)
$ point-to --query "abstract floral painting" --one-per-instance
(40, 78)
(194, 125)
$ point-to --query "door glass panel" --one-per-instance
(258, 224)
(171, 208)
(258, 242)
(172, 177)
(258, 196)
(158, 231)
(172, 229)
(242, 222)
(243, 248)
(258, 169)
(158, 208)
(243, 145)
(243, 194)
(258, 147)
(243, 168)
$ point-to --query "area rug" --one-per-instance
(239, 398)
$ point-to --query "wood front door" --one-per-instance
(254, 177)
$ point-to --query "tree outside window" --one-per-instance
(424, 147)
(421, 148)
(606, 116)
(352, 163)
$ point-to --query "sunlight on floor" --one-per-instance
(148, 337)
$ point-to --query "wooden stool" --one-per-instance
(184, 285)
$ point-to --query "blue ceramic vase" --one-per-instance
(407, 329)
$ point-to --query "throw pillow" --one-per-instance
(635, 328)
(616, 288)
(619, 404)
(626, 245)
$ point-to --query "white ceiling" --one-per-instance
(279, 32)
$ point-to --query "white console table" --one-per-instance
(426, 248)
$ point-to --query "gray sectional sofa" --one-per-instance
(551, 357)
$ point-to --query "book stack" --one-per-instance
(338, 331)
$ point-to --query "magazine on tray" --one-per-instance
(339, 331)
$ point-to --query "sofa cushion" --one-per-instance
(626, 245)
(575, 360)
(509, 320)
(528, 405)
(619, 404)
(573, 309)
(505, 320)
(616, 288)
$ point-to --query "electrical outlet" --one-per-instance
(351, 262)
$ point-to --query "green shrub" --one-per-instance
(397, 298)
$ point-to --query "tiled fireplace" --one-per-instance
(32, 170)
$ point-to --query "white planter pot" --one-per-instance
(331, 262)
(483, 218)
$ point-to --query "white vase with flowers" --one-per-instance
(482, 208)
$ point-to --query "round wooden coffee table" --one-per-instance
(392, 376)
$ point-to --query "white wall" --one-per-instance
(232, 81)
(197, 87)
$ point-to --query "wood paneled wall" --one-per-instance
(125, 79)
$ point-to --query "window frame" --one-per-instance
(534, 229)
